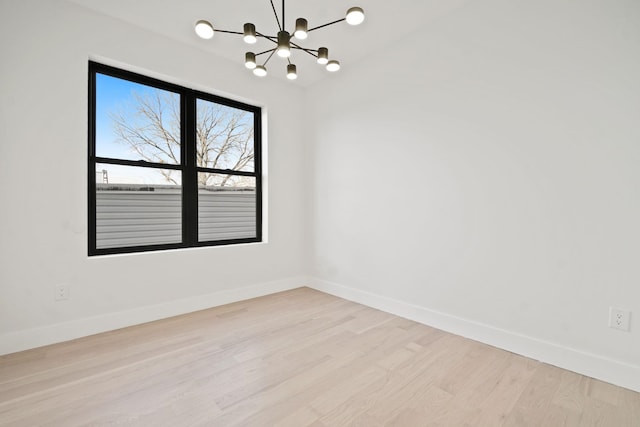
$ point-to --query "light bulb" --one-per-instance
(291, 72)
(355, 16)
(323, 56)
(333, 66)
(204, 29)
(260, 71)
(284, 48)
(250, 33)
(250, 60)
(301, 29)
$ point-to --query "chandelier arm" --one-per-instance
(326, 25)
(266, 51)
(276, 15)
(265, 62)
(304, 49)
(309, 51)
(272, 38)
(227, 31)
(284, 23)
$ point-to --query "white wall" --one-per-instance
(483, 175)
(45, 47)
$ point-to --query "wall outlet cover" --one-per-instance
(619, 318)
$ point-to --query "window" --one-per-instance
(169, 167)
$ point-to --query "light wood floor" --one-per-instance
(298, 358)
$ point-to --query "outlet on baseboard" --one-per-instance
(619, 318)
(61, 292)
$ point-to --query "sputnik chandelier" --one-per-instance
(283, 41)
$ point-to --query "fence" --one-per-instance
(133, 215)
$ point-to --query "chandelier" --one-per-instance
(283, 41)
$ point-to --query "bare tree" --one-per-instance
(150, 126)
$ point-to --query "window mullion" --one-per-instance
(190, 174)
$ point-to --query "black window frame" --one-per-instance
(187, 166)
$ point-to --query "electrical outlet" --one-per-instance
(61, 292)
(619, 318)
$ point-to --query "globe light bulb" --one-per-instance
(333, 66)
(260, 71)
(355, 16)
(204, 29)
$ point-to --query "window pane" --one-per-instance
(137, 206)
(136, 122)
(224, 137)
(226, 207)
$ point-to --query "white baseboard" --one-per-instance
(608, 370)
(51, 334)
(592, 365)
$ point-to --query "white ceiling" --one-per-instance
(386, 21)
